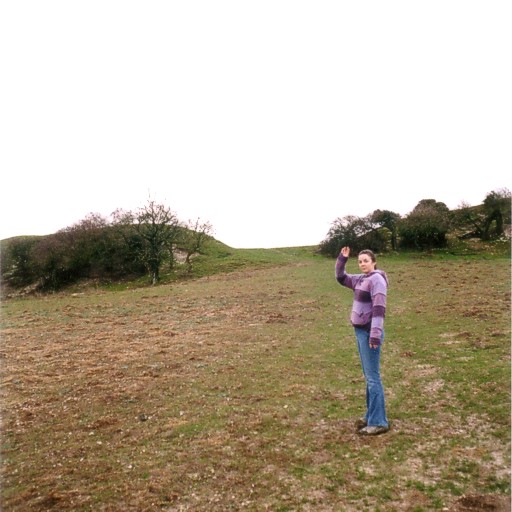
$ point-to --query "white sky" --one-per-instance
(267, 118)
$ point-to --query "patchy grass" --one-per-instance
(239, 392)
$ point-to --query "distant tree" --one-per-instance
(51, 262)
(84, 246)
(129, 245)
(151, 232)
(493, 213)
(195, 237)
(469, 217)
(88, 248)
(389, 220)
(497, 209)
(426, 226)
(345, 231)
(95, 249)
(71, 253)
(377, 239)
(17, 262)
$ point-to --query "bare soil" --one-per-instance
(482, 502)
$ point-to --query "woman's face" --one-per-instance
(366, 264)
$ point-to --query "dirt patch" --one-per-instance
(482, 503)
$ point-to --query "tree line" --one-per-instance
(424, 228)
(129, 244)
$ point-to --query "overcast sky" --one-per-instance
(269, 119)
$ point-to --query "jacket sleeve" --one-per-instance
(341, 275)
(379, 295)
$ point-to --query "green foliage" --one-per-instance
(133, 244)
(486, 221)
(90, 249)
(17, 265)
(377, 240)
(148, 241)
(346, 231)
(358, 233)
(390, 221)
(426, 226)
(343, 232)
(469, 220)
(50, 259)
(153, 231)
(497, 207)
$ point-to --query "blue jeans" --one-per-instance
(370, 361)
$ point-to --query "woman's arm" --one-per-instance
(341, 275)
(379, 295)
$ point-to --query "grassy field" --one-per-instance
(239, 391)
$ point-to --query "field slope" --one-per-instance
(239, 391)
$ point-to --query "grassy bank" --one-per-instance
(239, 391)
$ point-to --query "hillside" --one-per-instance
(93, 253)
(239, 391)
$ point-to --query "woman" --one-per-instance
(367, 317)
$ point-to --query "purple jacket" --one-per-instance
(369, 306)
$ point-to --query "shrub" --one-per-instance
(426, 226)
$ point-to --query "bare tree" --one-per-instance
(196, 236)
(156, 229)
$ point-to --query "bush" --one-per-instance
(17, 265)
(426, 226)
(345, 231)
(358, 234)
(88, 249)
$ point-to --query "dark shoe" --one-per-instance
(373, 430)
(361, 423)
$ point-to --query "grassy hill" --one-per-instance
(219, 258)
(238, 390)
(89, 254)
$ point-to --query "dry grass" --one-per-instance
(239, 392)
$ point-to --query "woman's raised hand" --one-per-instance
(345, 251)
